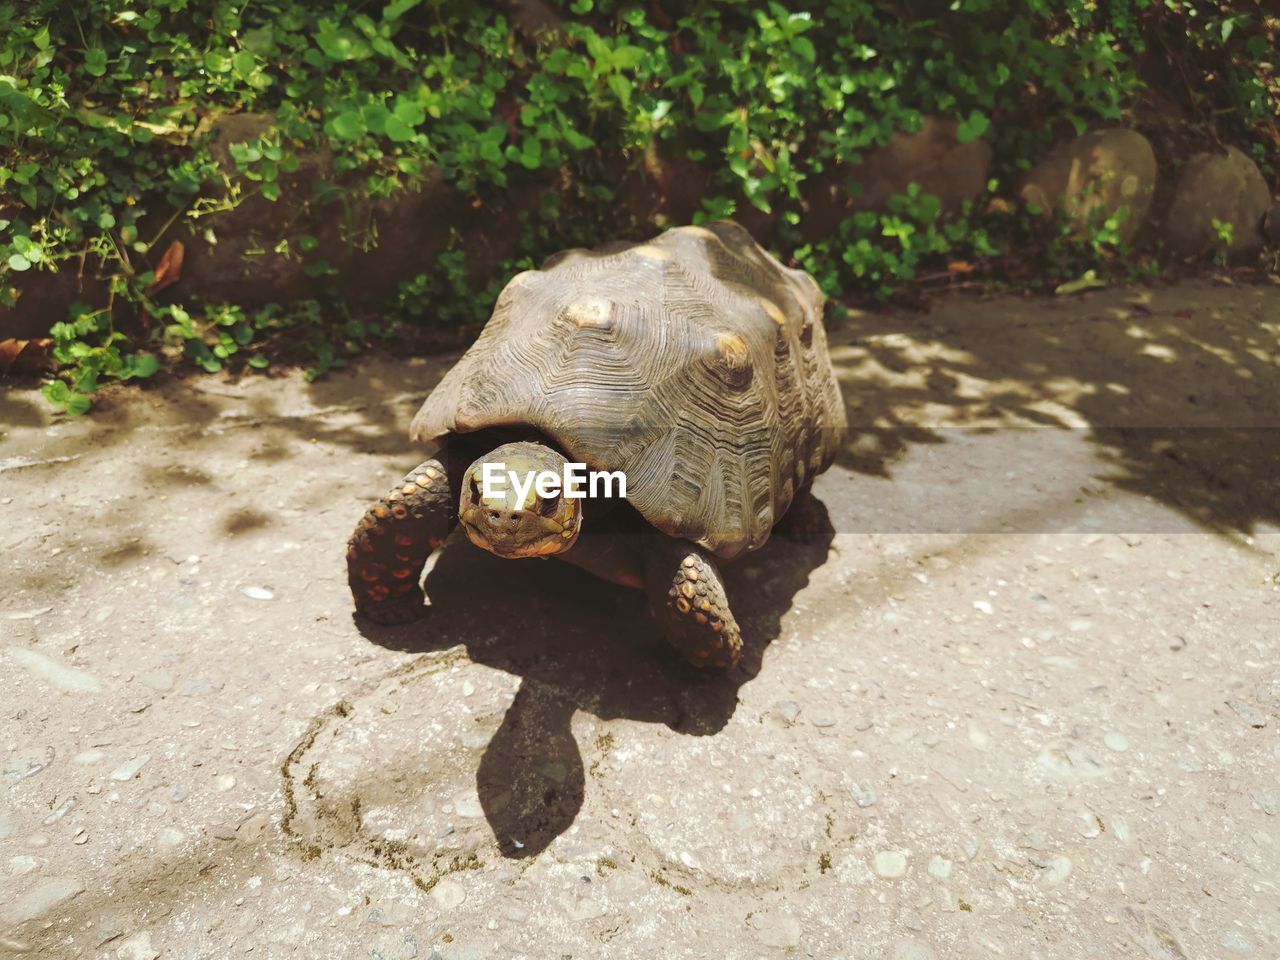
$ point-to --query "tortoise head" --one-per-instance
(507, 515)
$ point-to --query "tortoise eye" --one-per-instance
(547, 505)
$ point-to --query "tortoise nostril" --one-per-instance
(516, 515)
(494, 515)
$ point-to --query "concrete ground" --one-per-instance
(1021, 702)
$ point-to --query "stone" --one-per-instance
(1227, 187)
(127, 771)
(582, 908)
(891, 864)
(1092, 177)
(1271, 224)
(1268, 801)
(1116, 741)
(932, 157)
(448, 893)
(137, 947)
(40, 900)
(939, 867)
(1246, 713)
(26, 762)
(1236, 942)
(56, 674)
(864, 797)
(1058, 870)
(778, 929)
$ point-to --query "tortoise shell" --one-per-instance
(696, 363)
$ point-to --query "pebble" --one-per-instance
(891, 864)
(258, 593)
(127, 771)
(61, 811)
(178, 793)
(778, 929)
(1058, 871)
(1269, 801)
(137, 947)
(448, 894)
(223, 782)
(40, 900)
(170, 838)
(22, 864)
(88, 757)
(111, 925)
(159, 680)
(71, 679)
(788, 710)
(1236, 942)
(29, 614)
(1249, 715)
(822, 718)
(7, 826)
(983, 606)
(863, 797)
(467, 804)
(582, 908)
(940, 868)
(1116, 741)
(27, 762)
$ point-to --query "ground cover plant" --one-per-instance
(545, 113)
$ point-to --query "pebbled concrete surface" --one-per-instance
(1021, 701)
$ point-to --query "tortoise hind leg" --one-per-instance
(687, 596)
(392, 541)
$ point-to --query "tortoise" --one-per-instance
(694, 363)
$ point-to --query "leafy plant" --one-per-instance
(105, 105)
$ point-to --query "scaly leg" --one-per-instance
(392, 541)
(688, 597)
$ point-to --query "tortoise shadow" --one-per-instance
(579, 643)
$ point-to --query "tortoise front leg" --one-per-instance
(392, 541)
(687, 596)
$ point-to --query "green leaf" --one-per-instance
(621, 88)
(348, 125)
(409, 111)
(397, 9)
(340, 43)
(18, 262)
(57, 392)
(397, 130)
(143, 365)
(259, 363)
(260, 40)
(217, 61)
(243, 64)
(95, 62)
(973, 127)
(78, 404)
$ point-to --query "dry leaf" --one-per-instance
(956, 267)
(170, 269)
